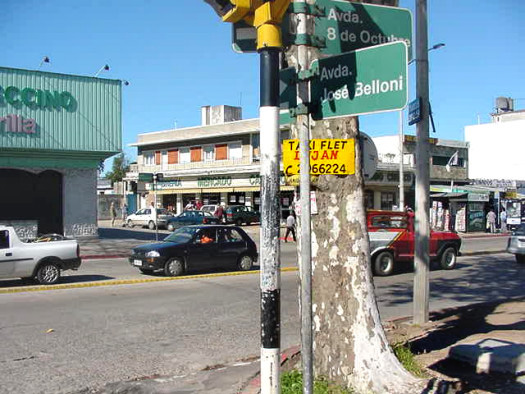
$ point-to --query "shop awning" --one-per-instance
(449, 195)
(195, 190)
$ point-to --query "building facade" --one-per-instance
(382, 190)
(55, 129)
(216, 163)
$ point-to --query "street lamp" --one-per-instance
(103, 68)
(401, 143)
(45, 59)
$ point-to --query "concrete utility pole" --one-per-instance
(422, 227)
(303, 125)
(401, 169)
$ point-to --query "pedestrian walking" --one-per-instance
(491, 221)
(113, 213)
(290, 227)
(219, 213)
(503, 219)
(124, 214)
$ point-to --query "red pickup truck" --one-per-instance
(392, 240)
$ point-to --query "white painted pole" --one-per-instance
(270, 219)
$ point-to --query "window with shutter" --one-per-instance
(157, 157)
(196, 153)
(221, 152)
(173, 156)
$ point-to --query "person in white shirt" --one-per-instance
(290, 227)
(503, 218)
(491, 221)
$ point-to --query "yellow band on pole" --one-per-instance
(269, 36)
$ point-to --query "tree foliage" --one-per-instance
(119, 169)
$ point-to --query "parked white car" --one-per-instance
(209, 208)
(146, 217)
(42, 259)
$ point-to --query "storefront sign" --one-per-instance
(171, 184)
(255, 180)
(17, 124)
(327, 156)
(36, 98)
(478, 197)
(214, 181)
(385, 177)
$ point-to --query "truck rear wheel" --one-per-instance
(384, 263)
(448, 258)
(48, 274)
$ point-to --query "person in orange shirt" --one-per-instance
(205, 239)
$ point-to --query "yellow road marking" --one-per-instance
(128, 281)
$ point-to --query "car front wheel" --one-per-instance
(174, 267)
(151, 225)
(448, 259)
(48, 274)
(130, 224)
(520, 258)
(245, 263)
(384, 263)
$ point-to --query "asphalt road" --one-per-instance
(65, 340)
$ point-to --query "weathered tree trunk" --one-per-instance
(350, 346)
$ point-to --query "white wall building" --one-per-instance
(496, 148)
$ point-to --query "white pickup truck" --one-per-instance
(42, 258)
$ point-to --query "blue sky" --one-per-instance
(177, 57)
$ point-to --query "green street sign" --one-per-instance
(360, 82)
(350, 26)
(287, 94)
(145, 177)
(344, 27)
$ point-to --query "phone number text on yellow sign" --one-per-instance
(327, 156)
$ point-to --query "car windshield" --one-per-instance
(182, 235)
(520, 230)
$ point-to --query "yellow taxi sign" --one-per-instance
(327, 156)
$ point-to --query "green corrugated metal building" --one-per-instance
(54, 131)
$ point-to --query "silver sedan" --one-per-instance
(516, 244)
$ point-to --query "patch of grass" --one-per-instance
(292, 383)
(406, 357)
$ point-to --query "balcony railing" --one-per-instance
(197, 165)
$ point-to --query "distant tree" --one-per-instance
(119, 169)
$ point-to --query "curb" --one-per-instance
(130, 281)
(254, 384)
(104, 256)
(483, 252)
